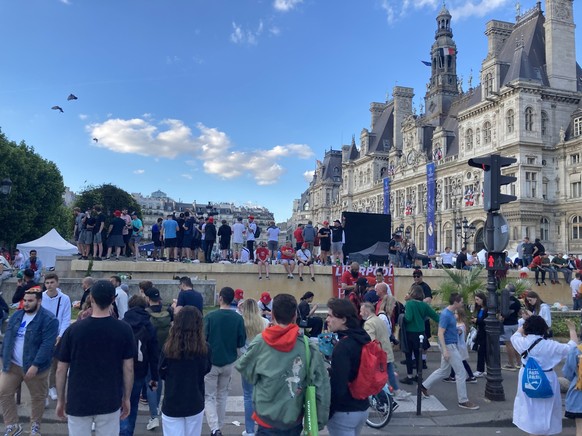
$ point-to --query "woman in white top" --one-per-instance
(540, 416)
(535, 306)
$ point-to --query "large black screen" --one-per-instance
(363, 230)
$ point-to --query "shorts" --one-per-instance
(115, 241)
(170, 242)
(287, 262)
(135, 239)
(86, 237)
(300, 262)
(180, 242)
(126, 238)
(237, 246)
(573, 415)
(77, 233)
(508, 331)
(224, 244)
(336, 247)
(157, 241)
(187, 241)
(325, 245)
(196, 243)
(272, 245)
(97, 238)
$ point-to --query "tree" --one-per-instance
(466, 283)
(110, 197)
(35, 204)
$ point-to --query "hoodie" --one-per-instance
(275, 363)
(308, 233)
(137, 318)
(345, 362)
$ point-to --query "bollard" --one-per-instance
(419, 376)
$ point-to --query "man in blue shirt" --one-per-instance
(448, 343)
(170, 237)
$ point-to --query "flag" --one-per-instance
(427, 63)
(447, 51)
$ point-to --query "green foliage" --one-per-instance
(464, 282)
(559, 326)
(109, 196)
(521, 285)
(35, 204)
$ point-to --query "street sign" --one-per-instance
(500, 228)
(495, 261)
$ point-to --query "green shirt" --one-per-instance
(415, 314)
(225, 332)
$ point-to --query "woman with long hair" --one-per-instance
(535, 306)
(254, 325)
(306, 312)
(184, 362)
(479, 316)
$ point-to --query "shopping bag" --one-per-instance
(310, 427)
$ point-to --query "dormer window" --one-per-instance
(578, 126)
(488, 84)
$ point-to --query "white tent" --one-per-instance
(48, 247)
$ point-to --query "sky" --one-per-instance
(216, 100)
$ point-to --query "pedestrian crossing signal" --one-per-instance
(495, 261)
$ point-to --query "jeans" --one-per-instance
(127, 425)
(208, 245)
(295, 431)
(153, 397)
(413, 340)
(186, 426)
(251, 248)
(527, 260)
(216, 385)
(537, 274)
(37, 386)
(347, 423)
(456, 362)
(248, 402)
(577, 303)
(567, 274)
(392, 381)
(105, 425)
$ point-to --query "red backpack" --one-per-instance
(372, 373)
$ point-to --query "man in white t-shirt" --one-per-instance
(447, 258)
(575, 287)
(5, 269)
(251, 231)
(304, 258)
(121, 298)
(238, 231)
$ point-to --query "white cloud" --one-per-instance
(187, 176)
(173, 60)
(65, 2)
(246, 36)
(459, 9)
(83, 116)
(308, 175)
(138, 171)
(274, 30)
(286, 5)
(212, 148)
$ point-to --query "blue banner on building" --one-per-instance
(430, 209)
(386, 185)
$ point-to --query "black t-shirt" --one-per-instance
(303, 309)
(117, 226)
(89, 223)
(514, 308)
(95, 348)
(180, 231)
(325, 241)
(98, 220)
(337, 233)
(190, 297)
(426, 289)
(461, 259)
(224, 231)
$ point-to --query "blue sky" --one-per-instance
(215, 100)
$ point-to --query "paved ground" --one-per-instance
(440, 415)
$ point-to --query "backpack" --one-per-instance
(140, 361)
(534, 382)
(161, 321)
(257, 232)
(372, 373)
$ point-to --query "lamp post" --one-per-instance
(6, 187)
(211, 210)
(465, 231)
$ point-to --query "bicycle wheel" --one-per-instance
(380, 410)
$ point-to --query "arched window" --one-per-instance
(383, 172)
(361, 179)
(487, 132)
(510, 120)
(469, 139)
(529, 119)
(544, 229)
(545, 121)
(477, 136)
(488, 82)
(336, 170)
(577, 227)
(306, 205)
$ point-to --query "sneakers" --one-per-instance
(13, 430)
(450, 380)
(424, 391)
(244, 433)
(52, 392)
(509, 368)
(312, 279)
(35, 429)
(216, 433)
(289, 276)
(424, 365)
(468, 405)
(407, 381)
(401, 394)
(153, 423)
(471, 379)
(479, 374)
(300, 278)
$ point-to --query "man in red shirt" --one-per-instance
(262, 255)
(350, 277)
(298, 235)
(288, 258)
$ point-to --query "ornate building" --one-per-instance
(527, 106)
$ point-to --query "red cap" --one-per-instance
(210, 220)
(251, 217)
(238, 294)
(117, 213)
(325, 223)
(265, 298)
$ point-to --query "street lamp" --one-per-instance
(6, 186)
(465, 231)
(211, 210)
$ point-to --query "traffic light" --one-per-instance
(492, 196)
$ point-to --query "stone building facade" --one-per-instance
(527, 106)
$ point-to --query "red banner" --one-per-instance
(368, 272)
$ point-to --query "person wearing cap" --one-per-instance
(115, 235)
(26, 356)
(262, 255)
(325, 242)
(251, 229)
(288, 258)
(238, 298)
(104, 370)
(169, 236)
(209, 238)
(337, 242)
(304, 258)
(265, 305)
(24, 283)
(137, 227)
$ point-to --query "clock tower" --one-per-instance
(442, 87)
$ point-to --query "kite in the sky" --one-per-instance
(72, 97)
(57, 108)
(95, 139)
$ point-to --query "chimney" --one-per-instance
(497, 33)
